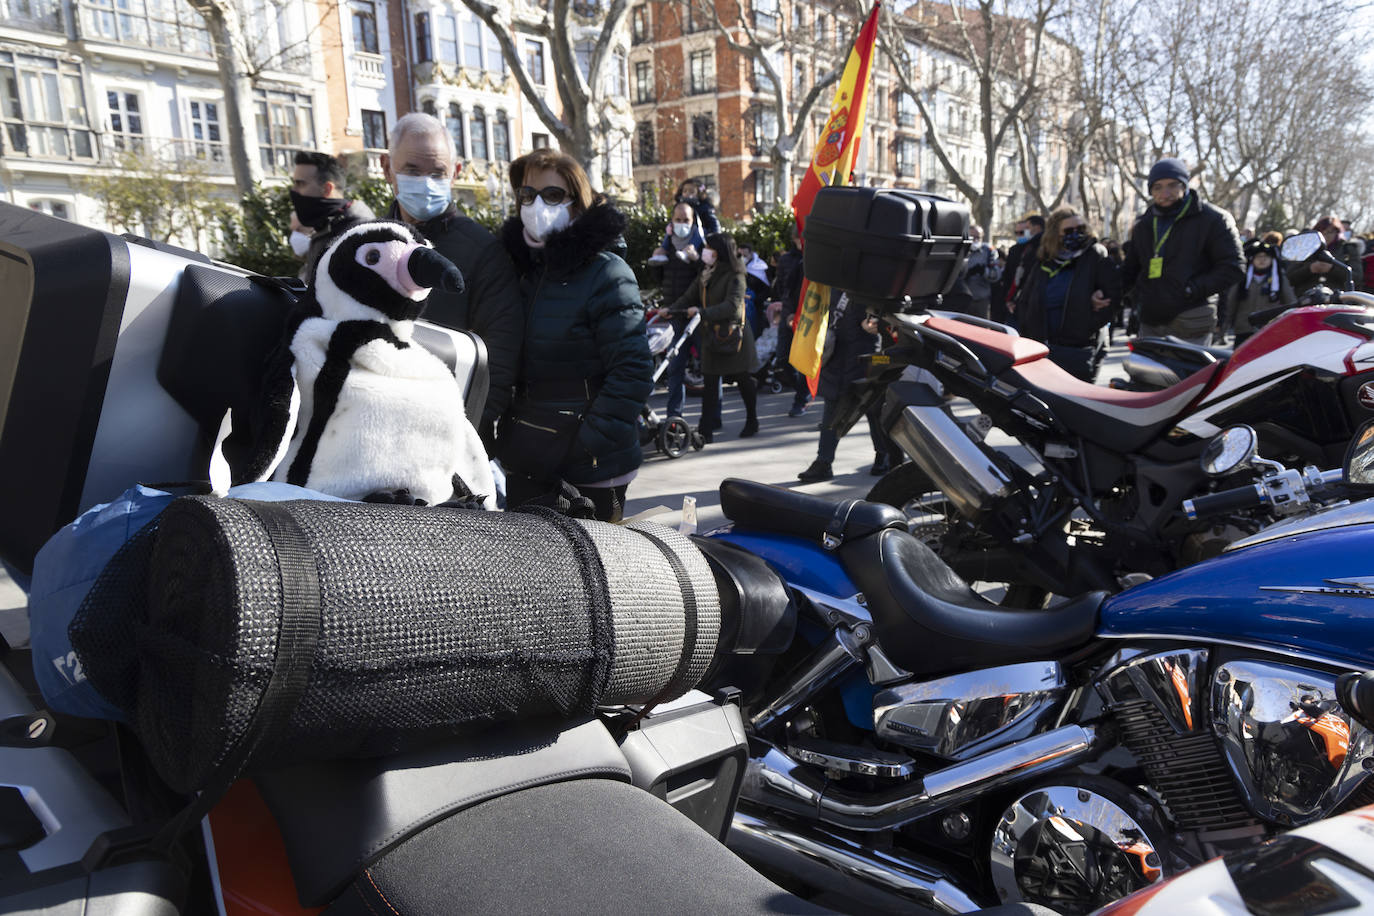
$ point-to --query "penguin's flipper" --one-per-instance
(279, 401)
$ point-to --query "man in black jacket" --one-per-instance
(420, 168)
(319, 205)
(1028, 231)
(1184, 254)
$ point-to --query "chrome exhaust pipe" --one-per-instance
(961, 468)
(866, 879)
(778, 782)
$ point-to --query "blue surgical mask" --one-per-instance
(423, 197)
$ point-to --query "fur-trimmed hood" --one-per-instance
(601, 228)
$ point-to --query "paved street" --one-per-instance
(784, 446)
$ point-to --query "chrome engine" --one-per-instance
(1254, 742)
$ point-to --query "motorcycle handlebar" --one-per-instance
(1234, 500)
(1356, 695)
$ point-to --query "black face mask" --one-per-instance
(315, 212)
(1075, 239)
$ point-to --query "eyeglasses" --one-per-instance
(552, 195)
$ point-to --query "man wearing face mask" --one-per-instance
(319, 209)
(1028, 230)
(1184, 255)
(420, 167)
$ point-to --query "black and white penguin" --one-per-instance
(372, 412)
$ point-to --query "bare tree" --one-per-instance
(245, 38)
(161, 193)
(1003, 43)
(589, 125)
(767, 50)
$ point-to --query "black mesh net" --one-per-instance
(432, 621)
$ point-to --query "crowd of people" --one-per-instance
(561, 313)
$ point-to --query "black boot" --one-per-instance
(751, 426)
(881, 464)
(819, 470)
(705, 433)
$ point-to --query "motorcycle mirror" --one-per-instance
(1300, 247)
(1233, 448)
(1359, 458)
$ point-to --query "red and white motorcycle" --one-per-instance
(1097, 497)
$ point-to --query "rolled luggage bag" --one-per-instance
(417, 623)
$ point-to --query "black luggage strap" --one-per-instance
(678, 683)
(834, 529)
(297, 641)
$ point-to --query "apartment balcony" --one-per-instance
(200, 158)
(701, 87)
(20, 140)
(369, 69)
(181, 35)
(374, 162)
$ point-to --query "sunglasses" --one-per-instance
(551, 195)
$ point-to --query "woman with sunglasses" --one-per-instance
(586, 368)
(727, 341)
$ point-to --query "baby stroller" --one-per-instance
(671, 436)
(771, 363)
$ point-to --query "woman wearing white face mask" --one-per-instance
(586, 368)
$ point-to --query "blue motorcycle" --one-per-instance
(914, 743)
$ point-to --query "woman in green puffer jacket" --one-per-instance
(585, 354)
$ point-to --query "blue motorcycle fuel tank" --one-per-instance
(1310, 593)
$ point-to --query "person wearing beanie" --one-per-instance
(1265, 285)
(1184, 255)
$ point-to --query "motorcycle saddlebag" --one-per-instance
(884, 244)
(389, 625)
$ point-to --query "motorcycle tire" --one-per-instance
(930, 516)
(674, 437)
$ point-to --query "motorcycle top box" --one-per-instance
(885, 244)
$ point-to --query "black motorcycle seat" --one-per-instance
(580, 846)
(1170, 343)
(930, 622)
(1123, 421)
(765, 507)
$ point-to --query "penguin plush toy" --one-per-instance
(357, 409)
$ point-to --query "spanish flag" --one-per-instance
(833, 164)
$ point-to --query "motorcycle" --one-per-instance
(918, 744)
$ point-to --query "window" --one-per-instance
(703, 137)
(879, 151)
(41, 14)
(43, 108)
(472, 41)
(798, 16)
(364, 26)
(639, 24)
(765, 130)
(374, 129)
(766, 15)
(539, 141)
(478, 133)
(763, 188)
(126, 120)
(798, 80)
(496, 60)
(534, 60)
(583, 52)
(427, 106)
(694, 20)
(500, 137)
(448, 40)
(152, 23)
(423, 53)
(617, 75)
(822, 30)
(644, 136)
(51, 207)
(906, 110)
(204, 130)
(286, 125)
(703, 72)
(762, 81)
(644, 81)
(453, 120)
(906, 158)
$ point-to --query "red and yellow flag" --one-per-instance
(833, 163)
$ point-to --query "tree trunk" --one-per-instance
(226, 33)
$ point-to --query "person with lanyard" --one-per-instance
(1184, 255)
(1071, 294)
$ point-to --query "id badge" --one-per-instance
(1156, 268)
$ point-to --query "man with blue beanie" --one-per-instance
(1184, 255)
